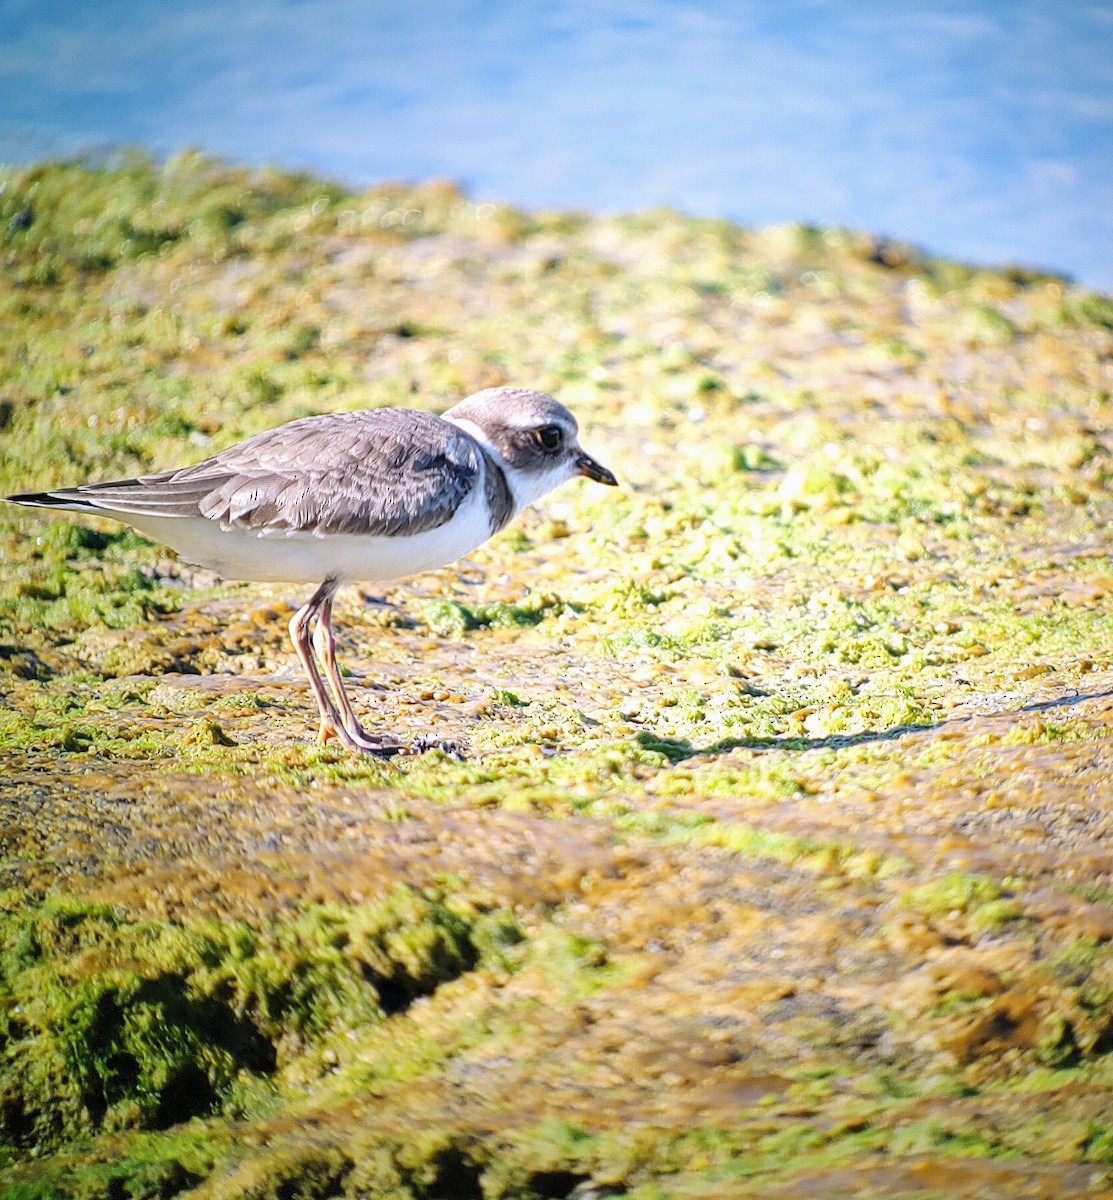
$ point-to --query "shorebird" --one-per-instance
(354, 497)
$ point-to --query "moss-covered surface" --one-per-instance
(780, 864)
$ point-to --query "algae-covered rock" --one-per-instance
(778, 863)
(111, 1023)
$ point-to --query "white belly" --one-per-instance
(304, 557)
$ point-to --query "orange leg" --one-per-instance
(311, 630)
(312, 624)
(300, 632)
(324, 643)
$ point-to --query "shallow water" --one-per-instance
(981, 131)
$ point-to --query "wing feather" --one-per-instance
(379, 471)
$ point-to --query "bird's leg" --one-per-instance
(337, 717)
(325, 645)
(344, 723)
(301, 624)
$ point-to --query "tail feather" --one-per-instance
(69, 498)
(150, 495)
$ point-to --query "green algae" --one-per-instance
(451, 618)
(152, 1166)
(984, 902)
(110, 1023)
(863, 537)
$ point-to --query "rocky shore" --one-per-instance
(781, 860)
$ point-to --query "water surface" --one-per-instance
(980, 130)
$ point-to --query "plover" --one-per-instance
(352, 497)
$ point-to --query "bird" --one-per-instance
(352, 497)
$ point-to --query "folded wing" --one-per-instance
(380, 472)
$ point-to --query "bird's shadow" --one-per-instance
(679, 750)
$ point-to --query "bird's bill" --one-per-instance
(586, 465)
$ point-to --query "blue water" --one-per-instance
(981, 130)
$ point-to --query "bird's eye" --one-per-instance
(548, 436)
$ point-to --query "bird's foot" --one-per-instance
(387, 745)
(378, 745)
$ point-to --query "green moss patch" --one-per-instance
(786, 760)
(111, 1023)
